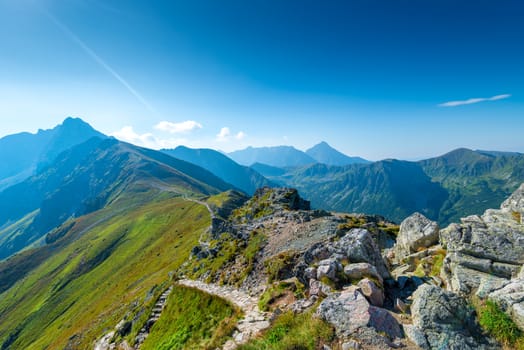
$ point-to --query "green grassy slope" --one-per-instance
(192, 320)
(106, 266)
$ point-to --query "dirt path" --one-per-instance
(254, 320)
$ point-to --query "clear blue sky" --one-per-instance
(372, 78)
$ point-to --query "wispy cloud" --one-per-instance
(95, 57)
(474, 100)
(177, 128)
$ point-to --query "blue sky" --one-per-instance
(372, 78)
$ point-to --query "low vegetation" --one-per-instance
(431, 265)
(293, 332)
(280, 290)
(278, 265)
(192, 320)
(499, 325)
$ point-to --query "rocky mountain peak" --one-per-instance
(287, 198)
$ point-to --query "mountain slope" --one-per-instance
(390, 188)
(242, 177)
(324, 153)
(86, 178)
(444, 188)
(106, 267)
(23, 154)
(475, 180)
(279, 156)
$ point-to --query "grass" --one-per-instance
(293, 332)
(192, 320)
(85, 287)
(276, 265)
(500, 326)
(280, 289)
(431, 265)
(517, 216)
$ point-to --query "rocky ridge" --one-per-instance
(379, 285)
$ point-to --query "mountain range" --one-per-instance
(288, 156)
(93, 233)
(445, 188)
(242, 177)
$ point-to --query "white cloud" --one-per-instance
(176, 128)
(128, 134)
(240, 135)
(474, 100)
(224, 134)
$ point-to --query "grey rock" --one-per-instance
(359, 270)
(510, 299)
(351, 345)
(484, 246)
(490, 284)
(416, 232)
(414, 334)
(310, 273)
(515, 202)
(349, 312)
(328, 268)
(358, 246)
(445, 321)
(317, 288)
(372, 292)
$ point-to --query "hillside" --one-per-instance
(24, 154)
(87, 178)
(444, 188)
(242, 177)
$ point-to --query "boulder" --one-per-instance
(416, 232)
(349, 312)
(372, 292)
(317, 288)
(328, 268)
(443, 320)
(358, 271)
(359, 247)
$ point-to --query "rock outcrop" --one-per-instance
(416, 232)
(485, 248)
(486, 256)
(443, 320)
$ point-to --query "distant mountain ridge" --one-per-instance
(325, 154)
(278, 156)
(24, 154)
(242, 177)
(444, 188)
